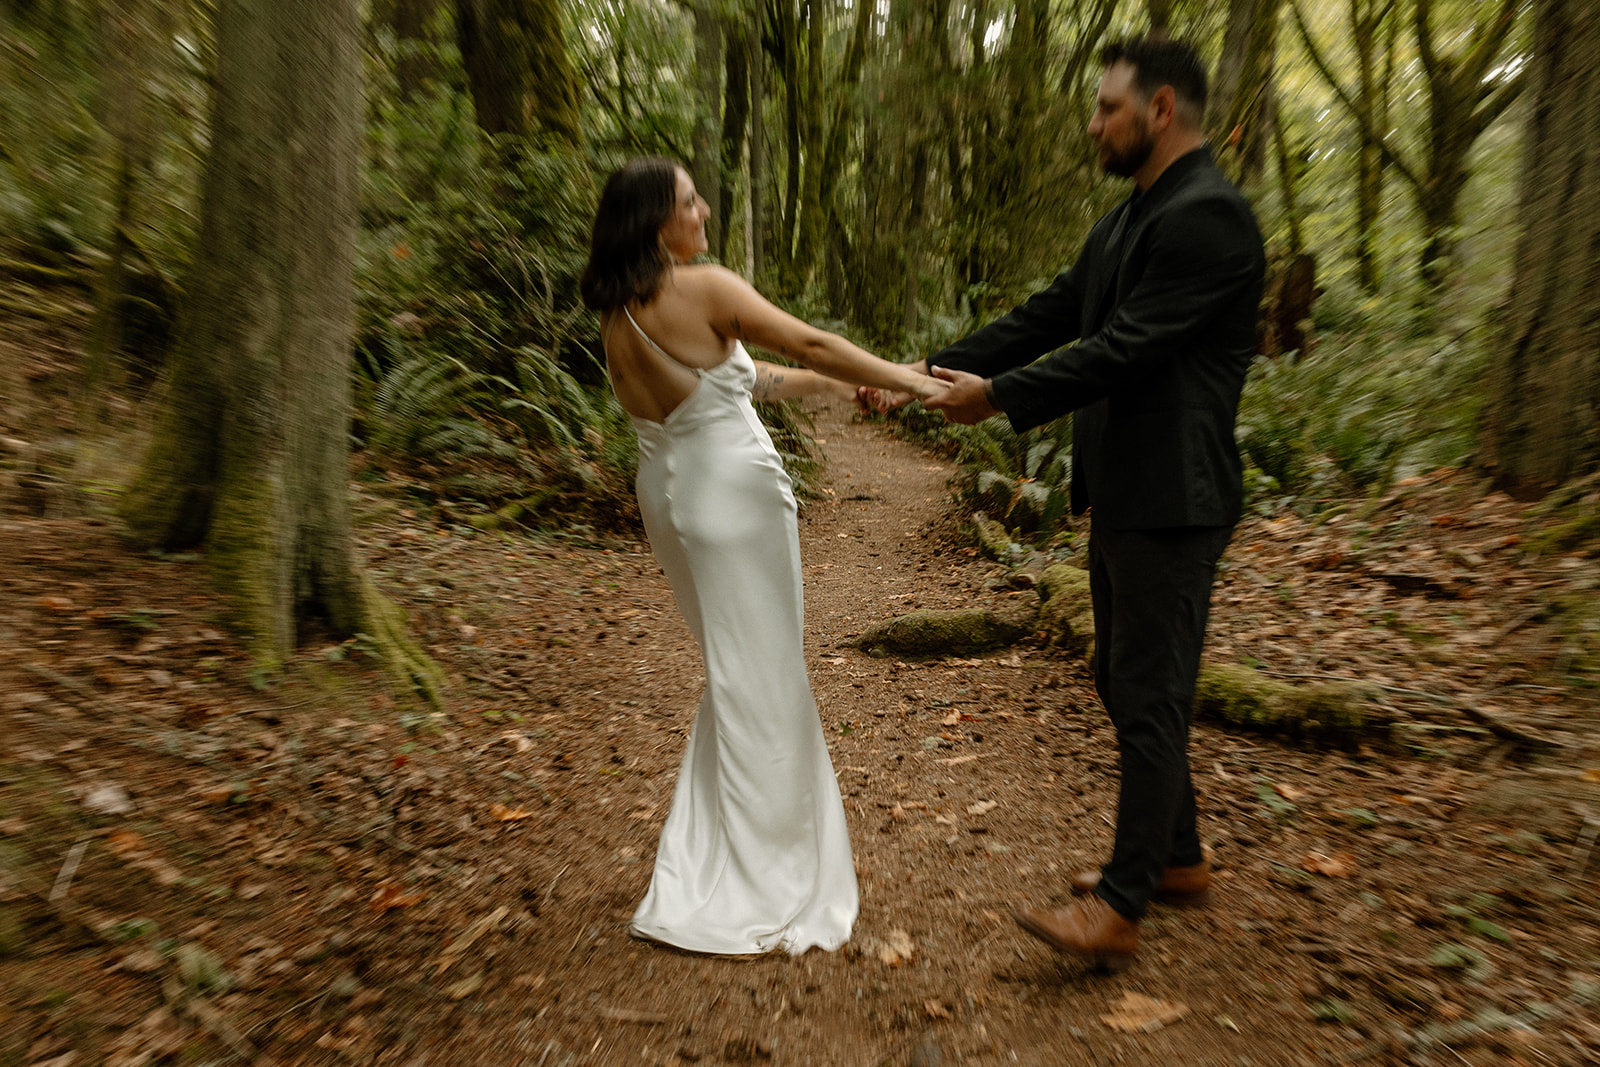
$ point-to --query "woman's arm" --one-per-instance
(775, 382)
(736, 310)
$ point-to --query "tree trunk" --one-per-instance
(1241, 107)
(517, 68)
(1160, 18)
(788, 34)
(735, 121)
(250, 453)
(705, 166)
(411, 22)
(1543, 415)
(756, 223)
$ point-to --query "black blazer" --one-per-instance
(1162, 304)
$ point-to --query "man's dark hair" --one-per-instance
(626, 259)
(1158, 62)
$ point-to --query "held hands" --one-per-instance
(872, 400)
(966, 401)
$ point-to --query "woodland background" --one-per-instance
(263, 219)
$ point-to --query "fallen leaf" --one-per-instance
(633, 1015)
(1136, 1013)
(466, 987)
(1338, 865)
(953, 760)
(56, 603)
(1287, 792)
(936, 1009)
(453, 951)
(520, 741)
(951, 719)
(108, 800)
(982, 807)
(389, 896)
(505, 814)
(897, 949)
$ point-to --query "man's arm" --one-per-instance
(1048, 319)
(1198, 263)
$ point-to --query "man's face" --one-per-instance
(1121, 123)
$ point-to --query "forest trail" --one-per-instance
(310, 871)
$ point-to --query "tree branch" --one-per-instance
(1359, 113)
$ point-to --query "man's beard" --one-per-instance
(1125, 163)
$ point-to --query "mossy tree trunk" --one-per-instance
(249, 456)
(132, 33)
(1543, 421)
(518, 70)
(1242, 105)
(705, 140)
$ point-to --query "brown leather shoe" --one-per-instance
(1091, 928)
(1179, 886)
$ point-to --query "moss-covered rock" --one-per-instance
(947, 633)
(1337, 712)
(1066, 616)
(995, 540)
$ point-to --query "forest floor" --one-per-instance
(194, 870)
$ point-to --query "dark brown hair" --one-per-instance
(626, 259)
(1159, 61)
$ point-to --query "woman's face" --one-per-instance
(684, 232)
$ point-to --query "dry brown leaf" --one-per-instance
(389, 896)
(951, 719)
(454, 949)
(897, 949)
(1338, 865)
(466, 987)
(953, 760)
(936, 1009)
(982, 807)
(505, 814)
(1287, 792)
(1136, 1013)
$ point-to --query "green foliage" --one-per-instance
(1357, 414)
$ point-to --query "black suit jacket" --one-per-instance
(1162, 304)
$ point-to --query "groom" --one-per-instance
(1158, 320)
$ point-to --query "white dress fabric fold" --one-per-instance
(755, 853)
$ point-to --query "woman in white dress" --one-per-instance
(755, 854)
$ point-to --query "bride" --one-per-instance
(755, 854)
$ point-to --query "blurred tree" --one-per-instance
(1543, 411)
(1468, 89)
(250, 451)
(705, 160)
(132, 38)
(1241, 105)
(517, 66)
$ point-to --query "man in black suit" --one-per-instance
(1161, 305)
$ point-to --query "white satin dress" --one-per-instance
(755, 853)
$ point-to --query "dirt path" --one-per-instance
(384, 888)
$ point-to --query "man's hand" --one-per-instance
(967, 399)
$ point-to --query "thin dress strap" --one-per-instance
(658, 348)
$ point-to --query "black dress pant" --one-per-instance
(1151, 591)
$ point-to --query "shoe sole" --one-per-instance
(1110, 962)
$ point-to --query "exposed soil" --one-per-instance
(194, 870)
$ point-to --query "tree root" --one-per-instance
(411, 671)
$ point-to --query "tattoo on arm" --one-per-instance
(767, 384)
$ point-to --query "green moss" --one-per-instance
(938, 633)
(1335, 711)
(1066, 615)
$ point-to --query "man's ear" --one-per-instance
(1163, 108)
